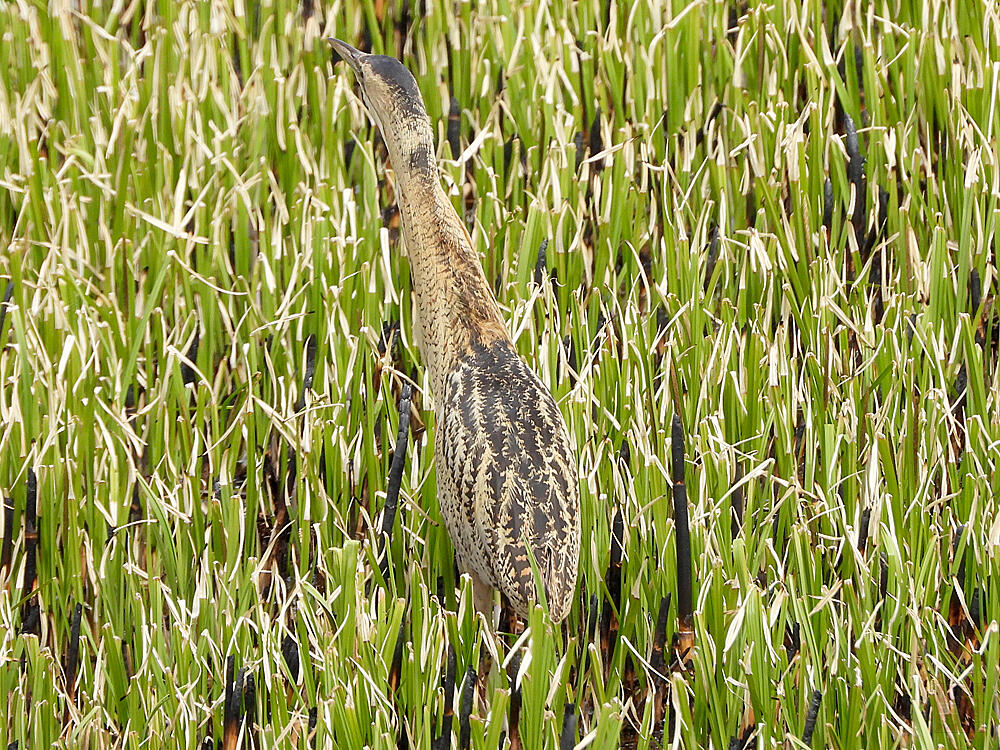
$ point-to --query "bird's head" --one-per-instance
(391, 96)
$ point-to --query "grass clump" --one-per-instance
(776, 222)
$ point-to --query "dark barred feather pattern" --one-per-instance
(506, 478)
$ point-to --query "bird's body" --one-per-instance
(507, 480)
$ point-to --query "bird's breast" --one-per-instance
(506, 452)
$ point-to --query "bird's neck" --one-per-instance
(455, 304)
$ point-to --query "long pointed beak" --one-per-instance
(347, 53)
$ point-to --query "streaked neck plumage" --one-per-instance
(455, 304)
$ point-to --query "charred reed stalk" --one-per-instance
(30, 614)
(684, 603)
(309, 373)
(465, 709)
(613, 581)
(810, 726)
(443, 741)
(395, 478)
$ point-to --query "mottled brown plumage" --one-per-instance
(507, 479)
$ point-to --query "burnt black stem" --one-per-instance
(444, 740)
(540, 263)
(807, 733)
(883, 580)
(73, 653)
(568, 733)
(465, 710)
(613, 581)
(396, 668)
(866, 515)
(856, 174)
(190, 359)
(231, 707)
(713, 256)
(290, 653)
(30, 615)
(737, 503)
(684, 608)
(249, 706)
(596, 141)
(615, 568)
(395, 476)
(975, 293)
(660, 637)
(514, 712)
(8, 533)
(454, 127)
(8, 292)
(230, 671)
(828, 204)
(310, 371)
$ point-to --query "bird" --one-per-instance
(507, 478)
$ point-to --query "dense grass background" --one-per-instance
(777, 220)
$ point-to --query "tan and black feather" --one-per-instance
(506, 478)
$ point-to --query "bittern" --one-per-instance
(506, 475)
